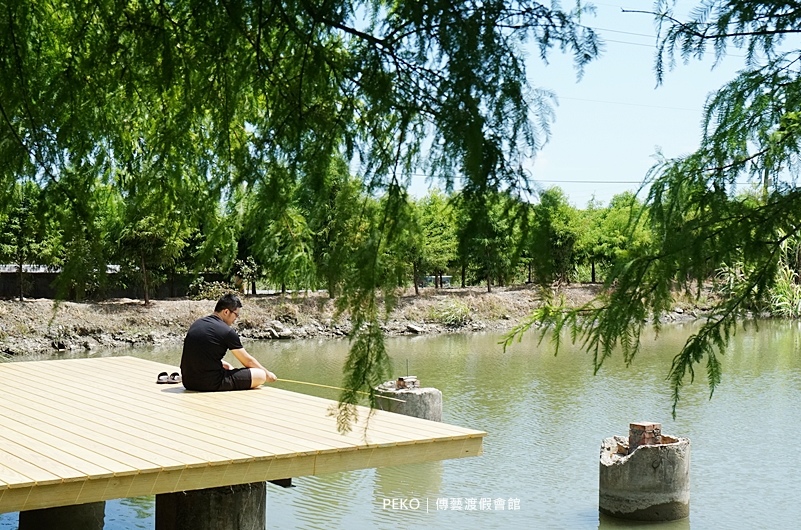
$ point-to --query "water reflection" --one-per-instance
(546, 417)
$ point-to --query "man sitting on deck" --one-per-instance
(202, 364)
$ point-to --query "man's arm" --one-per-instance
(248, 361)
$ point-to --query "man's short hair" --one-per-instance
(229, 301)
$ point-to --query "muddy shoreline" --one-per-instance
(43, 327)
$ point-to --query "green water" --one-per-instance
(545, 417)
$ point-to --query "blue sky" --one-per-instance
(610, 123)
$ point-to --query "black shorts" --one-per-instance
(236, 379)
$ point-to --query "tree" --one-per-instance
(412, 247)
(81, 214)
(245, 88)
(553, 237)
(149, 242)
(333, 206)
(21, 239)
(439, 238)
(589, 245)
(607, 233)
(485, 232)
(751, 131)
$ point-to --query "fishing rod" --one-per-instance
(334, 387)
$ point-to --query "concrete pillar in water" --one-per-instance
(411, 400)
(647, 477)
(88, 516)
(238, 507)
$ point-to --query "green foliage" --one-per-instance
(150, 242)
(179, 104)
(335, 208)
(785, 296)
(81, 216)
(605, 234)
(454, 314)
(200, 289)
(22, 241)
(367, 365)
(486, 228)
(553, 237)
(698, 219)
(439, 237)
(248, 271)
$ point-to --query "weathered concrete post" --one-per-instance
(647, 477)
(411, 400)
(88, 516)
(238, 507)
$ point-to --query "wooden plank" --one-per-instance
(394, 431)
(110, 438)
(397, 425)
(124, 413)
(232, 422)
(155, 440)
(390, 421)
(53, 459)
(58, 432)
(150, 405)
(18, 472)
(104, 429)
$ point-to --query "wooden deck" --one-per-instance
(87, 430)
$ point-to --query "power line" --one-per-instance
(564, 181)
(556, 181)
(622, 32)
(631, 43)
(629, 104)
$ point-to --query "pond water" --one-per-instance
(545, 417)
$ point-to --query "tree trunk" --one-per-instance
(253, 288)
(414, 279)
(489, 284)
(463, 274)
(144, 282)
(593, 272)
(283, 289)
(529, 272)
(19, 281)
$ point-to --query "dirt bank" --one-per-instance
(43, 327)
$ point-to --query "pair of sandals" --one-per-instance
(165, 378)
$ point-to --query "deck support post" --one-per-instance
(88, 516)
(410, 400)
(237, 507)
(647, 477)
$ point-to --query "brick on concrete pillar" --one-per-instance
(644, 433)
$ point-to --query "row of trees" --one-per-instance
(162, 111)
(702, 224)
(307, 243)
(139, 119)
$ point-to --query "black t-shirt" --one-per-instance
(205, 345)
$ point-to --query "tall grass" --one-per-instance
(785, 296)
(454, 314)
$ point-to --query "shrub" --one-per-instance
(454, 314)
(203, 290)
(785, 296)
